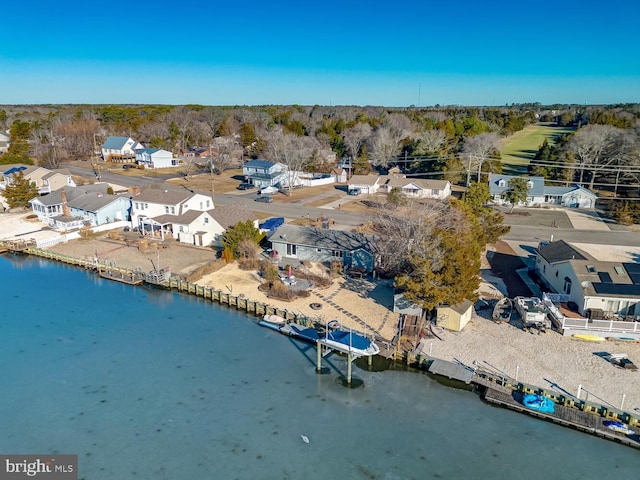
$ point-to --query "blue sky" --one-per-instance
(329, 53)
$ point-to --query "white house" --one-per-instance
(263, 173)
(120, 149)
(599, 288)
(365, 184)
(416, 187)
(155, 158)
(539, 194)
(4, 142)
(148, 207)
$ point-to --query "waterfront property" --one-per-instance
(351, 249)
(598, 289)
(88, 205)
(45, 180)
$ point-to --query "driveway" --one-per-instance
(586, 220)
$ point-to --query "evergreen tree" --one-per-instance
(20, 191)
(517, 192)
(240, 232)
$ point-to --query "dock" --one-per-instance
(453, 371)
(128, 278)
(563, 415)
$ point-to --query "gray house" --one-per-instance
(539, 194)
(263, 173)
(354, 250)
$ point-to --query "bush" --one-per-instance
(206, 269)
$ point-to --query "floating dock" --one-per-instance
(121, 277)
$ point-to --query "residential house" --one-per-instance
(155, 211)
(365, 184)
(598, 288)
(226, 216)
(263, 173)
(74, 207)
(120, 149)
(44, 179)
(353, 250)
(155, 158)
(539, 194)
(416, 187)
(4, 142)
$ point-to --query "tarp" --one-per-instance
(271, 223)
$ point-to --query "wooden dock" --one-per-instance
(121, 277)
(566, 416)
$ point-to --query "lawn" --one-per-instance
(520, 148)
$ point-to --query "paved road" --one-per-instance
(527, 225)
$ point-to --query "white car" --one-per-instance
(267, 190)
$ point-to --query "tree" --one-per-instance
(599, 146)
(396, 198)
(477, 196)
(20, 191)
(18, 151)
(517, 192)
(478, 149)
(354, 139)
(291, 150)
(430, 141)
(386, 141)
(241, 232)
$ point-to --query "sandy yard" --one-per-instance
(547, 360)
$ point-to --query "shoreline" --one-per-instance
(550, 361)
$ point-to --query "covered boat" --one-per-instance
(618, 427)
(539, 403)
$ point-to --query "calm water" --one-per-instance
(147, 384)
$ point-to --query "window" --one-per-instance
(206, 219)
(567, 285)
(207, 203)
(591, 269)
(529, 185)
(181, 228)
(172, 210)
(619, 270)
(166, 209)
(318, 250)
(502, 183)
(336, 254)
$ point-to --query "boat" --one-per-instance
(533, 312)
(618, 427)
(502, 310)
(274, 322)
(334, 337)
(588, 337)
(539, 403)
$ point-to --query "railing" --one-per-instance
(56, 240)
(601, 325)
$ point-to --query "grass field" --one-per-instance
(521, 147)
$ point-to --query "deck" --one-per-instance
(122, 277)
(565, 416)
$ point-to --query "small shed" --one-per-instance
(455, 317)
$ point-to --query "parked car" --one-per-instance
(246, 186)
(354, 191)
(264, 199)
(126, 166)
(268, 190)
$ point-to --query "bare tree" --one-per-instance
(429, 141)
(355, 137)
(600, 146)
(289, 149)
(386, 141)
(478, 149)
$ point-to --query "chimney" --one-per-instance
(65, 208)
(135, 190)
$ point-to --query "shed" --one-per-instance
(455, 317)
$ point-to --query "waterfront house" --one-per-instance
(75, 207)
(155, 158)
(226, 216)
(155, 211)
(539, 194)
(609, 289)
(263, 173)
(352, 250)
(120, 149)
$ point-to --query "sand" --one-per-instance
(547, 360)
